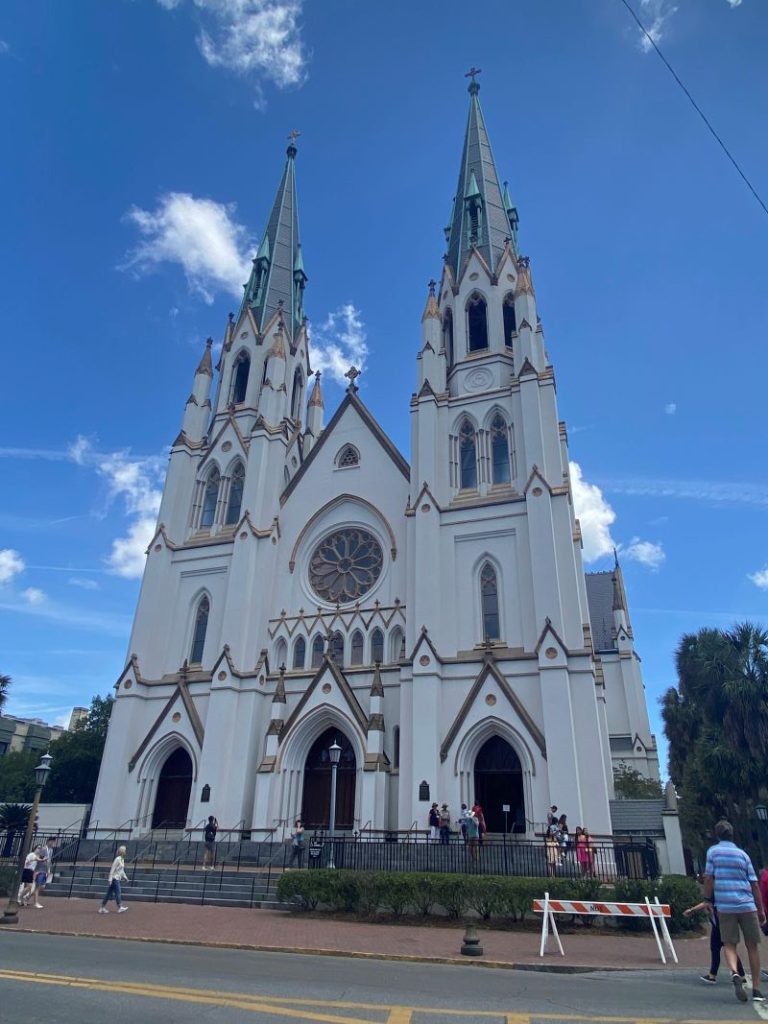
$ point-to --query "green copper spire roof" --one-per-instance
(479, 212)
(273, 283)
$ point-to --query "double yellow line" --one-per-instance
(305, 1009)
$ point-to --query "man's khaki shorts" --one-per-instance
(746, 921)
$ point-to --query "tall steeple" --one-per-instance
(277, 280)
(481, 213)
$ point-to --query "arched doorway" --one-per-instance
(499, 782)
(173, 789)
(316, 798)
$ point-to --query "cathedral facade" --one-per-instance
(308, 585)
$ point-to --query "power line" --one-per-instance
(696, 107)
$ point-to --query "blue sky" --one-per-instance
(143, 141)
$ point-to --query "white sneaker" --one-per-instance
(103, 910)
(38, 906)
(121, 910)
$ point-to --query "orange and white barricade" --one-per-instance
(657, 913)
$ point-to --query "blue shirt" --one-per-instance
(732, 872)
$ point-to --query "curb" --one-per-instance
(353, 954)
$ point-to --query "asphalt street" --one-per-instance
(63, 979)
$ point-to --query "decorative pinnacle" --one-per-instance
(352, 373)
(431, 285)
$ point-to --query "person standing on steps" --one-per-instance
(116, 876)
(434, 822)
(730, 883)
(209, 837)
(445, 825)
(297, 843)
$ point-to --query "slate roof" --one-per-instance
(637, 817)
(600, 601)
(478, 170)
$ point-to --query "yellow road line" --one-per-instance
(292, 1007)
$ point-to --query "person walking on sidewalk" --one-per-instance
(209, 837)
(715, 941)
(27, 887)
(730, 883)
(43, 872)
(116, 876)
(297, 843)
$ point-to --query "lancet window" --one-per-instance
(448, 336)
(299, 652)
(240, 373)
(377, 646)
(489, 602)
(281, 652)
(318, 647)
(298, 385)
(510, 321)
(467, 456)
(236, 485)
(356, 655)
(199, 631)
(397, 645)
(477, 323)
(210, 498)
(337, 648)
(500, 472)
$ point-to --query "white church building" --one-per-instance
(308, 584)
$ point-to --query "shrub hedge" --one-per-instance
(490, 897)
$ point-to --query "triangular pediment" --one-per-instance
(490, 669)
(353, 403)
(425, 642)
(313, 695)
(180, 694)
(229, 431)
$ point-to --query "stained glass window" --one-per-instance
(201, 627)
(345, 565)
(377, 646)
(235, 495)
(489, 600)
(210, 499)
(299, 652)
(467, 456)
(499, 451)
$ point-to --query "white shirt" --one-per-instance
(117, 871)
(30, 862)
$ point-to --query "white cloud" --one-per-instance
(83, 583)
(34, 596)
(659, 11)
(734, 3)
(11, 564)
(594, 514)
(259, 38)
(670, 408)
(4, 47)
(645, 552)
(200, 234)
(735, 492)
(137, 482)
(760, 578)
(339, 342)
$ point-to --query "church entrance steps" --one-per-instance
(147, 885)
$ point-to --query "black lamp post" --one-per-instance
(334, 752)
(761, 813)
(11, 913)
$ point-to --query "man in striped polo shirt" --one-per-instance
(730, 883)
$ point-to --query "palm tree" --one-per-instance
(5, 682)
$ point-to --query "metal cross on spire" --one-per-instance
(352, 373)
(473, 72)
(293, 135)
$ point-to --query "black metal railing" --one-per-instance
(605, 861)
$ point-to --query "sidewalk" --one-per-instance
(281, 931)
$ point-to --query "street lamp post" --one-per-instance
(761, 813)
(334, 752)
(11, 913)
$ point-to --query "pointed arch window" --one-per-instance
(281, 653)
(337, 648)
(198, 634)
(477, 323)
(448, 336)
(396, 748)
(348, 456)
(356, 654)
(298, 385)
(299, 652)
(318, 646)
(397, 645)
(499, 451)
(510, 320)
(467, 457)
(240, 372)
(377, 646)
(237, 483)
(489, 602)
(210, 498)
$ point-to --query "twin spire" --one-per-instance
(277, 280)
(483, 216)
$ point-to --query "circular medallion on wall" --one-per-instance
(175, 717)
(227, 446)
(222, 675)
(345, 565)
(326, 687)
(424, 659)
(127, 684)
(537, 492)
(478, 380)
(490, 700)
(551, 653)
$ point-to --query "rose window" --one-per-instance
(345, 565)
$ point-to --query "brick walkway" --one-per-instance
(279, 930)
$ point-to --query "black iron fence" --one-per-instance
(605, 860)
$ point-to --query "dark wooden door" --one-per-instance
(499, 781)
(173, 789)
(316, 797)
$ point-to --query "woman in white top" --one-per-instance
(116, 876)
(27, 886)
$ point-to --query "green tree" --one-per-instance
(5, 682)
(716, 722)
(629, 784)
(17, 775)
(77, 757)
